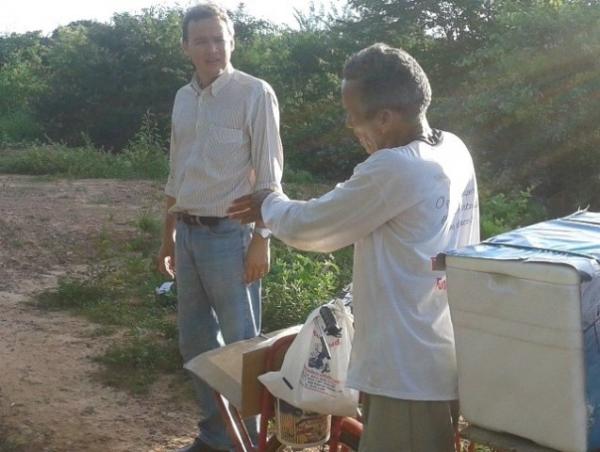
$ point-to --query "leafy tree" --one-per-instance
(20, 82)
(28, 46)
(104, 77)
(304, 68)
(529, 103)
(517, 79)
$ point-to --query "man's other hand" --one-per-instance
(258, 259)
(166, 259)
(247, 208)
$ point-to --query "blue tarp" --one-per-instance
(573, 240)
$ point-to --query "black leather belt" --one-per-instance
(195, 220)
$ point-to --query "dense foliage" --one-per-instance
(529, 104)
(517, 79)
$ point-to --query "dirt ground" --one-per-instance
(48, 399)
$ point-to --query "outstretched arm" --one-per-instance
(349, 212)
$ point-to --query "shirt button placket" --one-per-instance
(201, 119)
(199, 111)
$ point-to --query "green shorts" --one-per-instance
(394, 425)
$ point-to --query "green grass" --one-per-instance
(148, 240)
(13, 445)
(11, 440)
(118, 295)
(121, 298)
(84, 162)
(72, 294)
(101, 331)
(143, 158)
(149, 224)
(137, 362)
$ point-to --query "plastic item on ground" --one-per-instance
(166, 293)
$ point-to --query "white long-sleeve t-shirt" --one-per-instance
(400, 208)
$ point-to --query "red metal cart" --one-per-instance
(345, 432)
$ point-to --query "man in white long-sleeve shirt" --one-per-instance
(412, 198)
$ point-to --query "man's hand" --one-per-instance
(166, 259)
(258, 259)
(166, 254)
(247, 208)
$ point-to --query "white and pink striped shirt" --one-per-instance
(224, 143)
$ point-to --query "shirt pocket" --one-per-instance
(227, 153)
(224, 135)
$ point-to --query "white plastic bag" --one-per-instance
(315, 367)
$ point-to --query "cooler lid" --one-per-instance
(572, 241)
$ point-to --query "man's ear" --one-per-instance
(185, 48)
(384, 116)
(385, 119)
(390, 119)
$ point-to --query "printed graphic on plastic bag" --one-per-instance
(314, 371)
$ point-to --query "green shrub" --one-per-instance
(299, 282)
(297, 176)
(503, 212)
(144, 158)
(18, 126)
(527, 103)
(148, 238)
(58, 160)
(21, 83)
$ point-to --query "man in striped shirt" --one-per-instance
(224, 144)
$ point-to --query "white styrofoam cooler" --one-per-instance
(526, 307)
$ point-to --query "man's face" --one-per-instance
(365, 129)
(209, 46)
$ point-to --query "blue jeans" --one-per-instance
(214, 306)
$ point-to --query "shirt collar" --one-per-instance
(215, 87)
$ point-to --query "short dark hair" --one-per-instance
(205, 11)
(389, 77)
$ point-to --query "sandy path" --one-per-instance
(48, 400)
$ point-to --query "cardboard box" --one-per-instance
(233, 370)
